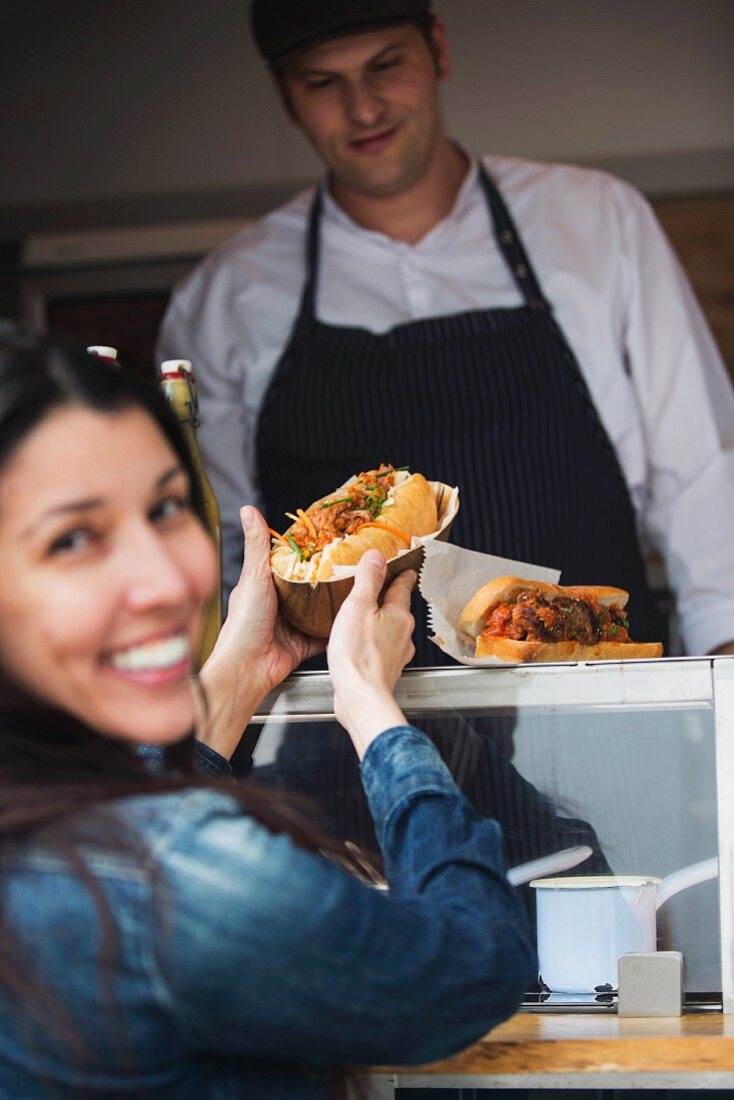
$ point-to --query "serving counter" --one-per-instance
(635, 759)
(581, 1052)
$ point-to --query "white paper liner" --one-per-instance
(449, 578)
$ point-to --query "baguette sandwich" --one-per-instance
(518, 620)
(381, 509)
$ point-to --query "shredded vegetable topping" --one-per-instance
(296, 548)
(357, 506)
(307, 522)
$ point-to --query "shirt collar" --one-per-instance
(468, 192)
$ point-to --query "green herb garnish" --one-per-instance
(341, 500)
(375, 500)
(392, 470)
(614, 630)
(296, 548)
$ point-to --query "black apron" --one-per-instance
(491, 400)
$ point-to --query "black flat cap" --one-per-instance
(280, 27)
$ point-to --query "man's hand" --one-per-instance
(256, 648)
(368, 649)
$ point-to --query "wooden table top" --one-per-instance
(550, 1043)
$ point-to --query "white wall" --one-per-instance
(106, 98)
(592, 78)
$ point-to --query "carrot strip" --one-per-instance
(386, 527)
(306, 520)
(280, 538)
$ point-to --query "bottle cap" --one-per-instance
(103, 351)
(175, 366)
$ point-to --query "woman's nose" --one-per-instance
(152, 574)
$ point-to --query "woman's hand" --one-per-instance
(256, 648)
(368, 649)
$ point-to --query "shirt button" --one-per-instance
(507, 236)
(521, 271)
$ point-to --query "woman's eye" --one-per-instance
(72, 542)
(169, 508)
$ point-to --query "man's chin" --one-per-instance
(377, 181)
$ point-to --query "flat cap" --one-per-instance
(281, 27)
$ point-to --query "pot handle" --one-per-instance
(548, 865)
(687, 876)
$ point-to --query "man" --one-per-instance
(519, 329)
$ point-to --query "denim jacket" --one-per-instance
(247, 967)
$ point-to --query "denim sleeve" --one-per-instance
(206, 760)
(209, 762)
(267, 951)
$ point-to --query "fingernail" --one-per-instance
(248, 516)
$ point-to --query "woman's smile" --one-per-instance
(161, 660)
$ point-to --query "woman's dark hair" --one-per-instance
(52, 765)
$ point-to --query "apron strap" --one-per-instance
(307, 311)
(510, 244)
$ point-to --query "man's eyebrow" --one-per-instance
(399, 45)
(72, 507)
(313, 70)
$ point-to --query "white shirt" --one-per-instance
(617, 291)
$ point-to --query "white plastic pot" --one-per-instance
(586, 923)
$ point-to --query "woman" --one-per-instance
(168, 934)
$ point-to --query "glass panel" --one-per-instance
(646, 781)
(636, 782)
